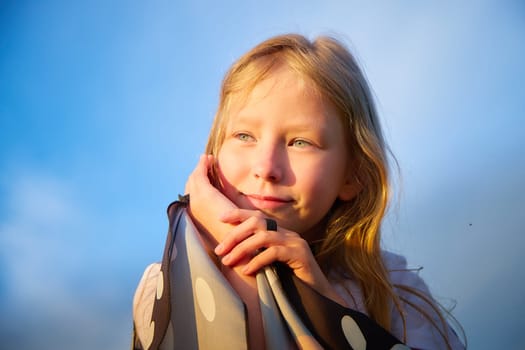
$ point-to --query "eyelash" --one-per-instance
(245, 137)
(303, 142)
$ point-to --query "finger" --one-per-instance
(201, 170)
(240, 215)
(239, 233)
(253, 245)
(194, 176)
(288, 248)
(268, 256)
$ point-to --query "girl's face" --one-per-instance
(285, 153)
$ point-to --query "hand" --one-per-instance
(207, 203)
(250, 235)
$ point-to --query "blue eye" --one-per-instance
(244, 137)
(301, 143)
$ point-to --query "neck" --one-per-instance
(315, 235)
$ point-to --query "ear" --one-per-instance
(350, 188)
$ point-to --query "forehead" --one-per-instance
(282, 90)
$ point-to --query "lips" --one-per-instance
(267, 202)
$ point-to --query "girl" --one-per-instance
(298, 169)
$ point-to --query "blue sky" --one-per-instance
(105, 108)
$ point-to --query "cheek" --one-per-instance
(320, 182)
(229, 171)
(316, 175)
(322, 196)
(226, 164)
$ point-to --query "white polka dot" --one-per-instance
(147, 335)
(160, 285)
(399, 347)
(205, 299)
(353, 333)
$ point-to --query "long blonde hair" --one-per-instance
(351, 247)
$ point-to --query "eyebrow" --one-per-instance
(251, 120)
(318, 132)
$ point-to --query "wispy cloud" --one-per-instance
(110, 125)
(50, 295)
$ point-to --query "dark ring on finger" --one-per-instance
(271, 224)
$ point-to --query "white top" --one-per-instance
(420, 332)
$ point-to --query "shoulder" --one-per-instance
(401, 274)
(418, 314)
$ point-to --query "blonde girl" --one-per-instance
(296, 141)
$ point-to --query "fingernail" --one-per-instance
(219, 249)
(226, 259)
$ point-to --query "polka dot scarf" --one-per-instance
(207, 313)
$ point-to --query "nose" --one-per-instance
(268, 163)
